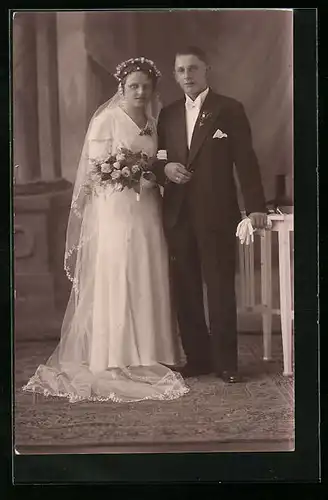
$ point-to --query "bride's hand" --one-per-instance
(151, 161)
(148, 180)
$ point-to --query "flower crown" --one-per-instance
(136, 64)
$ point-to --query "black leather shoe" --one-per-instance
(193, 371)
(230, 377)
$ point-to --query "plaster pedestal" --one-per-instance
(41, 286)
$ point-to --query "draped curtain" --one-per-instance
(25, 97)
(250, 52)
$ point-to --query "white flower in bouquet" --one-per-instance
(116, 174)
(118, 187)
(94, 160)
(135, 169)
(106, 168)
(117, 165)
(120, 156)
(126, 172)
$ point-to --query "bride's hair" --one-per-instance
(137, 64)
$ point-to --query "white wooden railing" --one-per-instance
(284, 225)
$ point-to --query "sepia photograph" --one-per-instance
(153, 200)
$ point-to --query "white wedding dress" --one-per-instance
(118, 333)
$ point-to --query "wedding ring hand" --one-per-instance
(177, 173)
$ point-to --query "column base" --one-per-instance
(41, 286)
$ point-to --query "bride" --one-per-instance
(118, 336)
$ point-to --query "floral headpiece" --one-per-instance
(136, 64)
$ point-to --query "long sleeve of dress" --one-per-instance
(158, 166)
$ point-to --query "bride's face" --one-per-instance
(138, 89)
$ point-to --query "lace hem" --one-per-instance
(167, 395)
(34, 383)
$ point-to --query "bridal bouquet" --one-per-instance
(124, 169)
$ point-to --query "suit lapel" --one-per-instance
(180, 132)
(204, 122)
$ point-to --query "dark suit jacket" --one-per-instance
(211, 191)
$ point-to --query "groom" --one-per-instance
(202, 136)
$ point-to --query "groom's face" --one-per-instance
(191, 74)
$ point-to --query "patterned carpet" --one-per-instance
(260, 409)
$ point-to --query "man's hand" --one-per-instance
(259, 220)
(177, 173)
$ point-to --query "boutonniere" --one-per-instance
(146, 131)
(203, 117)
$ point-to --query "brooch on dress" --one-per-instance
(146, 131)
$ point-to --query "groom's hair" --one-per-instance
(192, 50)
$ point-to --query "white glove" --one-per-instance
(245, 231)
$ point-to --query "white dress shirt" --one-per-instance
(192, 112)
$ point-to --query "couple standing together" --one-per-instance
(138, 263)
